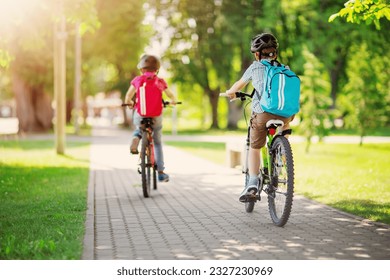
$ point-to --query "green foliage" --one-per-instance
(209, 43)
(43, 200)
(315, 99)
(5, 58)
(112, 52)
(367, 95)
(204, 44)
(368, 11)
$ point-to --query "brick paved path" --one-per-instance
(197, 215)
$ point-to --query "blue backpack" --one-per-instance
(281, 90)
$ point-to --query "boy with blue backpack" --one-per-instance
(269, 100)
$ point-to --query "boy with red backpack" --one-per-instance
(148, 89)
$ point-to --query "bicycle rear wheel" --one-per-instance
(281, 189)
(145, 165)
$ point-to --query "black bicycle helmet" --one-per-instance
(263, 41)
(149, 62)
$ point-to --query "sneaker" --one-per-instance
(248, 194)
(134, 145)
(162, 177)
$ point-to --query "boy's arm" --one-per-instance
(237, 86)
(130, 94)
(171, 95)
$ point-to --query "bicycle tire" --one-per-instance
(280, 197)
(145, 165)
(154, 178)
(249, 205)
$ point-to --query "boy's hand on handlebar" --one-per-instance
(129, 104)
(231, 95)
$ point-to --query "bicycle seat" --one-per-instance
(146, 122)
(274, 123)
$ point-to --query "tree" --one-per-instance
(209, 45)
(27, 40)
(367, 96)
(29, 58)
(315, 100)
(33, 102)
(195, 28)
(368, 11)
(116, 46)
(210, 42)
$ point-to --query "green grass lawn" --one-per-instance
(348, 177)
(43, 200)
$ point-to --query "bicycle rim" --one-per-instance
(280, 198)
(145, 165)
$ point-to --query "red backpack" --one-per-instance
(148, 101)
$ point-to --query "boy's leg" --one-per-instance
(158, 149)
(257, 140)
(136, 134)
(254, 162)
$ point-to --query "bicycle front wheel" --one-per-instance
(145, 165)
(155, 178)
(249, 205)
(281, 189)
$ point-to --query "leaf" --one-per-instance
(333, 17)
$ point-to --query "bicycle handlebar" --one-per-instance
(239, 95)
(165, 103)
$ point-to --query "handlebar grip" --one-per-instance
(224, 94)
(166, 103)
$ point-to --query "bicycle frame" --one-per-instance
(265, 170)
(146, 125)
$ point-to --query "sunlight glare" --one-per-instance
(13, 11)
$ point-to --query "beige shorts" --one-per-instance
(258, 130)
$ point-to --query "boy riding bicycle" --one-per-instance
(149, 66)
(264, 47)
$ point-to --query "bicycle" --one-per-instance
(148, 166)
(276, 174)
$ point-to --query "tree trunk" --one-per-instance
(33, 107)
(336, 73)
(214, 98)
(235, 111)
